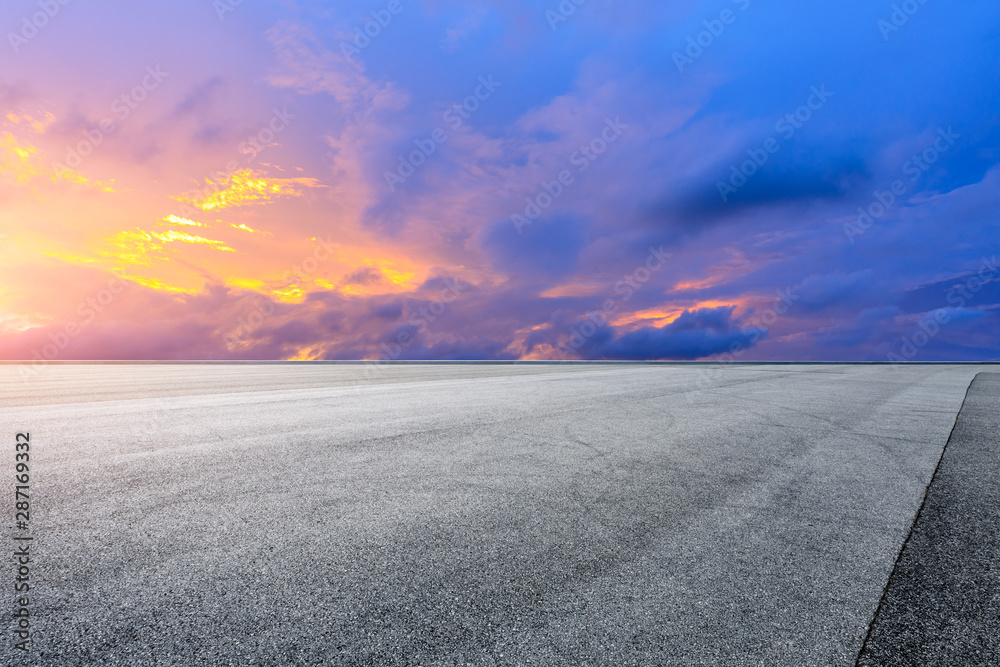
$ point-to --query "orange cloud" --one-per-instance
(700, 284)
(660, 317)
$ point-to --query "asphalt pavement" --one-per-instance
(942, 605)
(481, 515)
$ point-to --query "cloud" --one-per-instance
(549, 248)
(247, 187)
(817, 293)
(695, 334)
(307, 67)
(200, 99)
(783, 182)
(23, 164)
(364, 277)
(975, 289)
(958, 315)
(385, 254)
(867, 325)
(460, 29)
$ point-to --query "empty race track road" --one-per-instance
(484, 515)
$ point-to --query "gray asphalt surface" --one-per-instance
(471, 515)
(942, 606)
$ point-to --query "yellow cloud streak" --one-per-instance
(246, 187)
(23, 162)
(177, 220)
(39, 125)
(140, 248)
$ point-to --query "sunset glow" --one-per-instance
(258, 160)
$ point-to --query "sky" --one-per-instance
(485, 179)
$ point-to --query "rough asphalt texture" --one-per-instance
(268, 515)
(942, 606)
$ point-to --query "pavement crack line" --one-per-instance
(909, 535)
